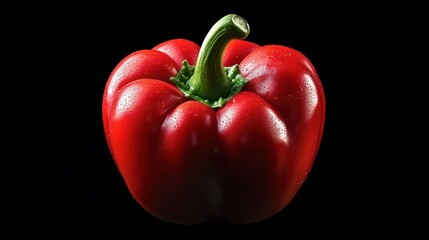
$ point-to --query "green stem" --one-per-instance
(209, 80)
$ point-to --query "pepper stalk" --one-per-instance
(209, 81)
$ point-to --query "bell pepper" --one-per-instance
(230, 129)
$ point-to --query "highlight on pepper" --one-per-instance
(229, 129)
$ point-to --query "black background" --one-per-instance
(368, 178)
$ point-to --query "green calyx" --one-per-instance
(187, 71)
(209, 81)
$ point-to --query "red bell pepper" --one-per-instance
(227, 130)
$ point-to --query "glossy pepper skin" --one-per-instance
(187, 161)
